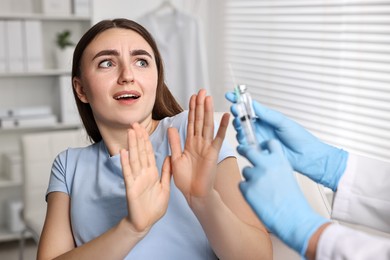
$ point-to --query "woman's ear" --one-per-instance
(79, 90)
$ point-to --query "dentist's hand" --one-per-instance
(321, 162)
(271, 190)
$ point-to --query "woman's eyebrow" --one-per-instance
(116, 53)
(140, 52)
(106, 52)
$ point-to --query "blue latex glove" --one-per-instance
(320, 162)
(272, 191)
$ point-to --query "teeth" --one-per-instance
(126, 96)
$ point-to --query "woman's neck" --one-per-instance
(116, 138)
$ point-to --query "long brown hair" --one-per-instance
(165, 104)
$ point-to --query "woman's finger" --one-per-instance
(191, 116)
(208, 127)
(142, 155)
(149, 151)
(133, 153)
(166, 173)
(199, 113)
(174, 143)
(126, 170)
(223, 125)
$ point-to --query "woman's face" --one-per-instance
(118, 78)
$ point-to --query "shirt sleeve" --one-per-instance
(363, 194)
(57, 181)
(339, 242)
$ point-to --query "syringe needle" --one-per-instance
(232, 74)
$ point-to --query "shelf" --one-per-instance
(45, 86)
(9, 183)
(43, 17)
(58, 126)
(6, 235)
(43, 73)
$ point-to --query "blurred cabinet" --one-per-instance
(39, 87)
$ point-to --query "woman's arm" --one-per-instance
(147, 196)
(56, 237)
(231, 226)
(57, 240)
(212, 190)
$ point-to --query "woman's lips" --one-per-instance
(127, 97)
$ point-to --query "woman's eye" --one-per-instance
(142, 63)
(105, 64)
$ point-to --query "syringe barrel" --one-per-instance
(246, 99)
(246, 114)
(247, 125)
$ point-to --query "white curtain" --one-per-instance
(325, 64)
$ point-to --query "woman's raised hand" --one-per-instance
(194, 169)
(147, 194)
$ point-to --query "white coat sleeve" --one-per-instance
(363, 194)
(363, 198)
(340, 243)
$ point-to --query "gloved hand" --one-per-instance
(320, 162)
(272, 191)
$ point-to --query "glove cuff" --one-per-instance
(310, 230)
(300, 238)
(335, 166)
(299, 228)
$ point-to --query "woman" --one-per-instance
(107, 200)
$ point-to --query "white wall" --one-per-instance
(210, 16)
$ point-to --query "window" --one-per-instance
(325, 64)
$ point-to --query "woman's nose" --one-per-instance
(126, 75)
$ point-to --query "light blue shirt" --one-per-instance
(94, 182)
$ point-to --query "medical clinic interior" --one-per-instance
(322, 63)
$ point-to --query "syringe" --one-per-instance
(246, 114)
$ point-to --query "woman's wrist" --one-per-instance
(200, 204)
(313, 242)
(126, 226)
